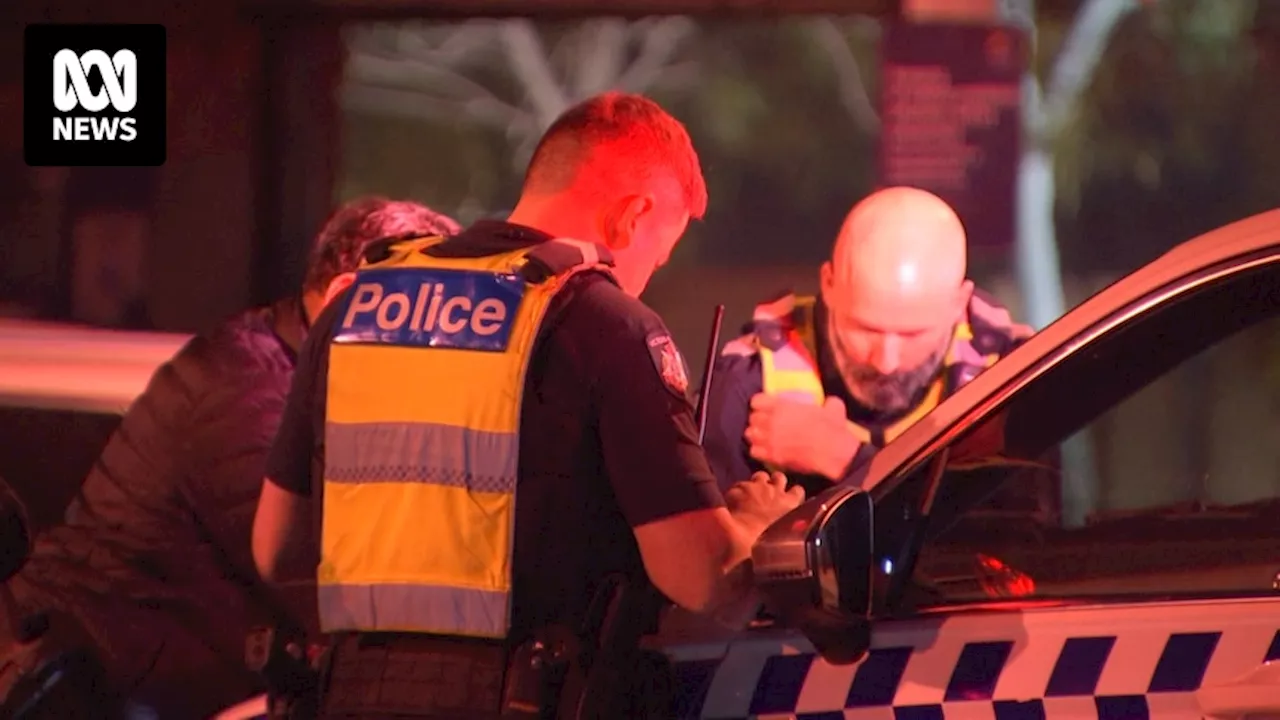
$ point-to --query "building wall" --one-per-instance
(246, 182)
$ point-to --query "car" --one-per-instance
(910, 596)
(63, 390)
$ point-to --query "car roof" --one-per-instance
(61, 366)
(1244, 237)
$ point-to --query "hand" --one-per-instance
(800, 437)
(762, 499)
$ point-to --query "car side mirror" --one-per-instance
(815, 568)
(15, 532)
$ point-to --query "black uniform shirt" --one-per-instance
(606, 443)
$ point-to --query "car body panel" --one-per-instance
(1002, 660)
(71, 367)
(63, 391)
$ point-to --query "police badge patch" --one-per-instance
(669, 363)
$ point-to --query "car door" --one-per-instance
(1154, 595)
(45, 454)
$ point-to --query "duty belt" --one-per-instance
(412, 675)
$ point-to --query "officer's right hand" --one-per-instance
(762, 499)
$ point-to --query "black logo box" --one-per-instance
(149, 147)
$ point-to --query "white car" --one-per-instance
(63, 390)
(917, 595)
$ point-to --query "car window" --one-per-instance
(1162, 438)
(45, 454)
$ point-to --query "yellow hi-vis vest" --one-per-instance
(426, 375)
(784, 338)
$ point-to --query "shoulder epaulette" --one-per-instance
(773, 321)
(744, 346)
(561, 255)
(381, 250)
(777, 309)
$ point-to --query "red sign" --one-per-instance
(951, 124)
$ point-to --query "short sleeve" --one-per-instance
(290, 464)
(646, 423)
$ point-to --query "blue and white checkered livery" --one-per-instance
(1096, 661)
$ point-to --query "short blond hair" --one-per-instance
(621, 143)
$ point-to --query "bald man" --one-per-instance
(817, 385)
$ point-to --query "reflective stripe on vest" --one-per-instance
(426, 375)
(789, 369)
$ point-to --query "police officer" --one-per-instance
(497, 425)
(819, 384)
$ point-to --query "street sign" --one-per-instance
(949, 104)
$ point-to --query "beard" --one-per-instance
(889, 393)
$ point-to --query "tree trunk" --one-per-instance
(1039, 277)
(1038, 269)
(1036, 247)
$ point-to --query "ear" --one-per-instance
(337, 285)
(826, 279)
(623, 219)
(963, 296)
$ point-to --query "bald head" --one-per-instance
(900, 257)
(894, 289)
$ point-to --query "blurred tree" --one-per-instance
(1096, 100)
(508, 74)
(782, 115)
(449, 111)
(783, 165)
(1160, 98)
(469, 101)
(1165, 127)
(1051, 96)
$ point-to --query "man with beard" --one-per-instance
(819, 384)
(151, 578)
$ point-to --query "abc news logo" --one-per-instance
(71, 90)
(107, 105)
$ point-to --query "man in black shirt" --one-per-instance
(611, 477)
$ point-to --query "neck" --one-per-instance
(557, 217)
(312, 306)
